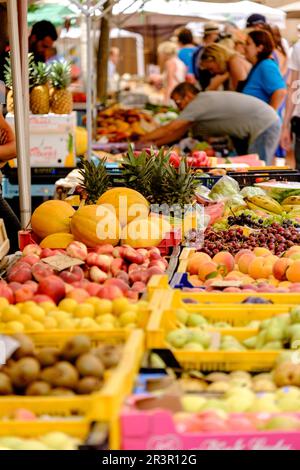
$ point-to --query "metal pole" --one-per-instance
(20, 125)
(89, 45)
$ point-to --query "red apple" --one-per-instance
(32, 249)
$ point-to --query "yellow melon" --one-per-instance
(145, 232)
(51, 217)
(127, 203)
(95, 225)
(57, 240)
(81, 140)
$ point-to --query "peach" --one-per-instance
(132, 256)
(295, 256)
(32, 285)
(32, 249)
(285, 284)
(196, 261)
(280, 268)
(24, 294)
(232, 289)
(294, 249)
(244, 261)
(14, 286)
(93, 289)
(132, 295)
(77, 250)
(42, 298)
(106, 249)
(21, 275)
(225, 260)
(46, 252)
(259, 268)
(261, 252)
(207, 270)
(80, 295)
(53, 286)
(116, 266)
(158, 264)
(210, 282)
(138, 287)
(118, 283)
(31, 259)
(196, 282)
(240, 253)
(97, 275)
(6, 291)
(123, 276)
(110, 292)
(41, 270)
(293, 272)
(294, 287)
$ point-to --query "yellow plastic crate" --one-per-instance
(79, 428)
(101, 406)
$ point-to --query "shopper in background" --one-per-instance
(228, 64)
(8, 152)
(211, 34)
(264, 80)
(174, 70)
(41, 40)
(186, 49)
(113, 60)
(279, 53)
(256, 21)
(291, 122)
(252, 124)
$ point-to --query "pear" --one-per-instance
(284, 374)
(274, 333)
(217, 377)
(280, 423)
(178, 338)
(221, 387)
(11, 442)
(250, 343)
(295, 315)
(260, 339)
(182, 315)
(201, 337)
(190, 346)
(263, 385)
(196, 320)
(272, 346)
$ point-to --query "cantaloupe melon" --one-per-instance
(95, 225)
(51, 217)
(145, 232)
(57, 240)
(128, 204)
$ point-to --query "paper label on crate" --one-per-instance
(61, 262)
(226, 284)
(8, 346)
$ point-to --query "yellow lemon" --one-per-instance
(127, 318)
(87, 323)
(10, 313)
(107, 318)
(3, 303)
(84, 310)
(28, 305)
(107, 326)
(25, 319)
(68, 305)
(66, 324)
(93, 301)
(120, 305)
(15, 327)
(104, 306)
(36, 326)
(50, 323)
(36, 312)
(47, 306)
(141, 305)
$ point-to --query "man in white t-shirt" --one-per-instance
(291, 123)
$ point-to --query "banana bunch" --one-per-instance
(264, 203)
(291, 205)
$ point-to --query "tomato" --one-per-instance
(175, 160)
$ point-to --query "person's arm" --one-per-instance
(172, 132)
(277, 98)
(293, 89)
(237, 71)
(8, 148)
(170, 68)
(217, 81)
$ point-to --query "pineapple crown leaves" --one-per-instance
(40, 73)
(95, 178)
(8, 71)
(137, 171)
(60, 74)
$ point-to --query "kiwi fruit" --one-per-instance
(38, 389)
(48, 356)
(108, 354)
(59, 391)
(24, 371)
(65, 375)
(220, 387)
(26, 347)
(88, 385)
(89, 365)
(48, 375)
(5, 385)
(75, 347)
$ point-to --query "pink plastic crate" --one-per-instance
(155, 430)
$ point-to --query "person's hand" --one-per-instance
(285, 139)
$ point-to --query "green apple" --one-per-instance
(289, 404)
(178, 338)
(222, 324)
(255, 324)
(239, 404)
(260, 339)
(274, 333)
(201, 337)
(192, 403)
(289, 391)
(190, 346)
(11, 442)
(196, 320)
(182, 315)
(214, 404)
(264, 403)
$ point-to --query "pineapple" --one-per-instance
(61, 97)
(9, 85)
(39, 95)
(137, 171)
(95, 179)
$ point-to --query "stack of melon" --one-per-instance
(121, 214)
